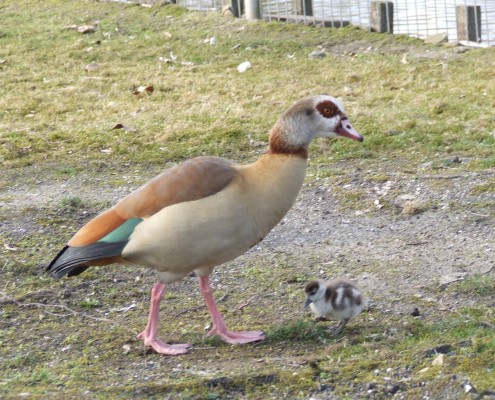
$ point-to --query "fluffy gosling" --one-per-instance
(337, 299)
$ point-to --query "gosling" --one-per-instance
(337, 299)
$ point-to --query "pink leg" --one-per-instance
(149, 334)
(219, 327)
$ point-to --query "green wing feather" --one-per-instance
(123, 232)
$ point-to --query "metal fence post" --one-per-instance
(468, 23)
(235, 6)
(252, 9)
(382, 16)
(303, 7)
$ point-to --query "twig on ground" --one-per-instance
(60, 306)
(245, 304)
(188, 310)
(439, 177)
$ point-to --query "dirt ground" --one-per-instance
(419, 228)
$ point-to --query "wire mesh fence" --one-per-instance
(467, 21)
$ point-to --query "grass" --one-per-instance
(480, 285)
(67, 338)
(53, 107)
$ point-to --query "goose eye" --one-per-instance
(327, 109)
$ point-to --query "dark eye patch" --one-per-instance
(311, 288)
(327, 109)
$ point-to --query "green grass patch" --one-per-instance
(479, 285)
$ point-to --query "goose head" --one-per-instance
(315, 290)
(309, 118)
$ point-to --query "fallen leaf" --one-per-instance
(124, 127)
(125, 309)
(143, 89)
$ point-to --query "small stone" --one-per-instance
(437, 39)
(451, 44)
(243, 67)
(412, 207)
(453, 277)
(438, 360)
(392, 388)
(85, 29)
(92, 67)
(318, 54)
(400, 201)
(321, 387)
(461, 49)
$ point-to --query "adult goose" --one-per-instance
(204, 212)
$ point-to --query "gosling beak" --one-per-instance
(345, 129)
(308, 302)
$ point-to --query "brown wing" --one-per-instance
(192, 180)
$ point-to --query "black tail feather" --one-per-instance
(72, 261)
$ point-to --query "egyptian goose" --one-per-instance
(337, 299)
(204, 212)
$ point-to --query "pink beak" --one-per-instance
(345, 129)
